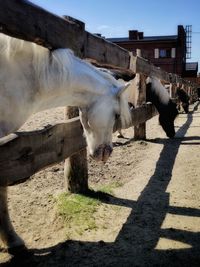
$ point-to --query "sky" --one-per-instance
(114, 18)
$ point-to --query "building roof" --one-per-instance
(144, 39)
(191, 66)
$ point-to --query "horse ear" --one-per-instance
(122, 89)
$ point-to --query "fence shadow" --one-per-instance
(136, 242)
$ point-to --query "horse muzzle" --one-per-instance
(102, 153)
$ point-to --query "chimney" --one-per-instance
(181, 31)
(140, 35)
(133, 35)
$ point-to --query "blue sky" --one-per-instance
(114, 18)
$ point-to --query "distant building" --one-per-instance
(191, 69)
(167, 52)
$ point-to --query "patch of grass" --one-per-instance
(109, 188)
(78, 211)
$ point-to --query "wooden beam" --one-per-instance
(24, 20)
(141, 65)
(105, 52)
(140, 115)
(25, 153)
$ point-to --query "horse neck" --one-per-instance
(158, 97)
(86, 80)
(68, 81)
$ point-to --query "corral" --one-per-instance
(144, 236)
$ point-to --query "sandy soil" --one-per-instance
(153, 219)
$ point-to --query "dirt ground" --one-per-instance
(153, 218)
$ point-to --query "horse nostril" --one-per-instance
(102, 153)
(106, 153)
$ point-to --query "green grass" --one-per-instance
(78, 211)
(109, 188)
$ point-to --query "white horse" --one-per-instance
(32, 79)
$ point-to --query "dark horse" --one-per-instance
(182, 100)
(157, 94)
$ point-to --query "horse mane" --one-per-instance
(158, 90)
(46, 62)
(48, 66)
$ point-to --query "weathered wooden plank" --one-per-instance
(22, 19)
(141, 65)
(24, 153)
(105, 52)
(140, 115)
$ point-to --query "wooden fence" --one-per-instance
(23, 154)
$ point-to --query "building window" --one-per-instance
(164, 53)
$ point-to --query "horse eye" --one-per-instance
(117, 116)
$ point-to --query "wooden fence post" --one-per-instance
(76, 167)
(140, 130)
(173, 90)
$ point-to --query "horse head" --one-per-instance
(99, 118)
(167, 117)
(183, 99)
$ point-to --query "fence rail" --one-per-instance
(24, 20)
(24, 153)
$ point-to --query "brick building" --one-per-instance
(166, 52)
